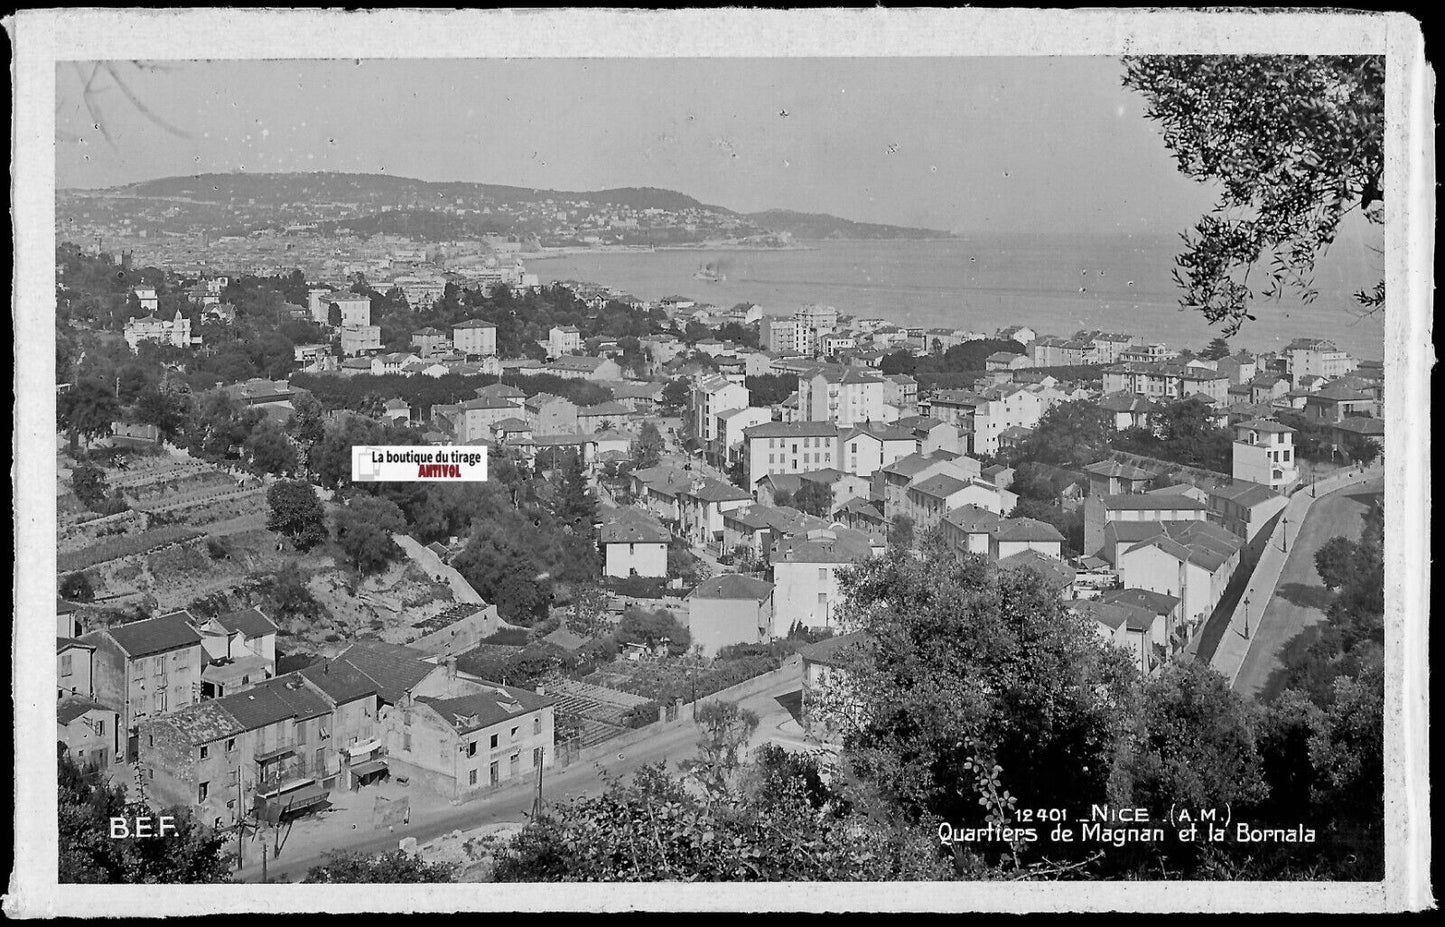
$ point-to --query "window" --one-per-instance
(65, 665)
(494, 741)
(159, 701)
(406, 741)
(160, 664)
(537, 725)
(204, 790)
(495, 774)
(301, 732)
(471, 748)
(205, 751)
(472, 776)
(231, 745)
(406, 716)
(822, 573)
(514, 733)
(100, 728)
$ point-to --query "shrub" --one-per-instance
(76, 587)
(512, 636)
(642, 715)
(216, 549)
(638, 587)
(332, 638)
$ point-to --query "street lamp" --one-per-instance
(1284, 537)
(1246, 617)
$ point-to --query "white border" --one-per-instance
(42, 38)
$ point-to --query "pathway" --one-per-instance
(1234, 646)
(462, 590)
(1300, 598)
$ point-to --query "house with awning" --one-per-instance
(267, 750)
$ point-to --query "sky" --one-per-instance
(959, 144)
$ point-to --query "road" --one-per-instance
(1299, 597)
(670, 744)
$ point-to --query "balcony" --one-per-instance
(267, 756)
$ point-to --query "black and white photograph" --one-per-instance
(973, 474)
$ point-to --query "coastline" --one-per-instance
(811, 245)
(554, 253)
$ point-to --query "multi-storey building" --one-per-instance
(789, 447)
(175, 332)
(1317, 357)
(147, 668)
(1264, 454)
(845, 396)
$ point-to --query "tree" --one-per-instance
(193, 853)
(647, 449)
(89, 485)
(163, 409)
(1337, 562)
(726, 729)
(1198, 746)
(643, 626)
(900, 532)
(1218, 349)
(296, 512)
(966, 663)
(307, 424)
(1071, 434)
(576, 505)
(389, 868)
(1294, 144)
(270, 450)
(656, 829)
(76, 587)
(675, 394)
(695, 331)
(86, 410)
(364, 527)
(290, 599)
(814, 499)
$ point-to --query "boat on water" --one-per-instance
(709, 273)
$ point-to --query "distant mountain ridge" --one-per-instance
(385, 192)
(816, 226)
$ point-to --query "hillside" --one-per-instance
(817, 226)
(369, 204)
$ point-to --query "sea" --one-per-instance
(1056, 284)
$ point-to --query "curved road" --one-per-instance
(1300, 599)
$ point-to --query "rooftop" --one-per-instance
(733, 586)
(153, 635)
(830, 651)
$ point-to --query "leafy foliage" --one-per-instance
(1070, 434)
(647, 448)
(387, 868)
(297, 512)
(88, 854)
(364, 527)
(1293, 143)
(655, 829)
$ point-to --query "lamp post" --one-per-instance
(1284, 536)
(1246, 617)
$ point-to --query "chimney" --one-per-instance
(541, 690)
